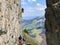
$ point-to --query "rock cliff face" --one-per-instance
(10, 22)
(52, 22)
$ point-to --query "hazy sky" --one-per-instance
(33, 8)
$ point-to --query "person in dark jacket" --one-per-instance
(20, 40)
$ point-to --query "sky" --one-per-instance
(33, 8)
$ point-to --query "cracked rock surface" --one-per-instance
(10, 22)
(52, 22)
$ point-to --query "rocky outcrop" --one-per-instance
(10, 22)
(52, 22)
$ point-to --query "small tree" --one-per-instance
(25, 30)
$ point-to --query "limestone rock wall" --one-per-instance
(10, 22)
(52, 22)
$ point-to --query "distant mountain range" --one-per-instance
(31, 20)
(36, 28)
(37, 23)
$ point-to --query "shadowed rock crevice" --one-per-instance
(52, 23)
(2, 32)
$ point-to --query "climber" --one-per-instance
(22, 10)
(20, 40)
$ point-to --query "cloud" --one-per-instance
(30, 9)
(35, 9)
(40, 6)
(22, 0)
(23, 3)
(31, 0)
(30, 12)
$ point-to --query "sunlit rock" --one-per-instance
(10, 22)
